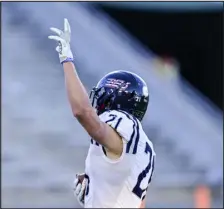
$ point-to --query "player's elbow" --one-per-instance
(80, 109)
(78, 112)
(81, 112)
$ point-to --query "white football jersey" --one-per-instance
(120, 183)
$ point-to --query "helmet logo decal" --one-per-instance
(116, 83)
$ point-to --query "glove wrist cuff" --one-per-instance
(67, 60)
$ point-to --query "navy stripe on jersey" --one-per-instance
(145, 191)
(94, 142)
(137, 137)
(153, 161)
(132, 137)
(135, 129)
(104, 151)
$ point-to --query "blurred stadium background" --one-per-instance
(175, 47)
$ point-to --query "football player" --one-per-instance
(120, 160)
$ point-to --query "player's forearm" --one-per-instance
(81, 106)
(77, 94)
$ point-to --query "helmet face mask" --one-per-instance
(121, 90)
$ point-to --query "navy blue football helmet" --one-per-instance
(121, 90)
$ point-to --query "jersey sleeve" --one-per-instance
(125, 125)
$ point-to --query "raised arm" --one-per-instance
(86, 114)
(78, 97)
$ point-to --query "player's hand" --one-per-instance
(63, 39)
(80, 187)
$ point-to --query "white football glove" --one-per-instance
(63, 39)
(79, 188)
